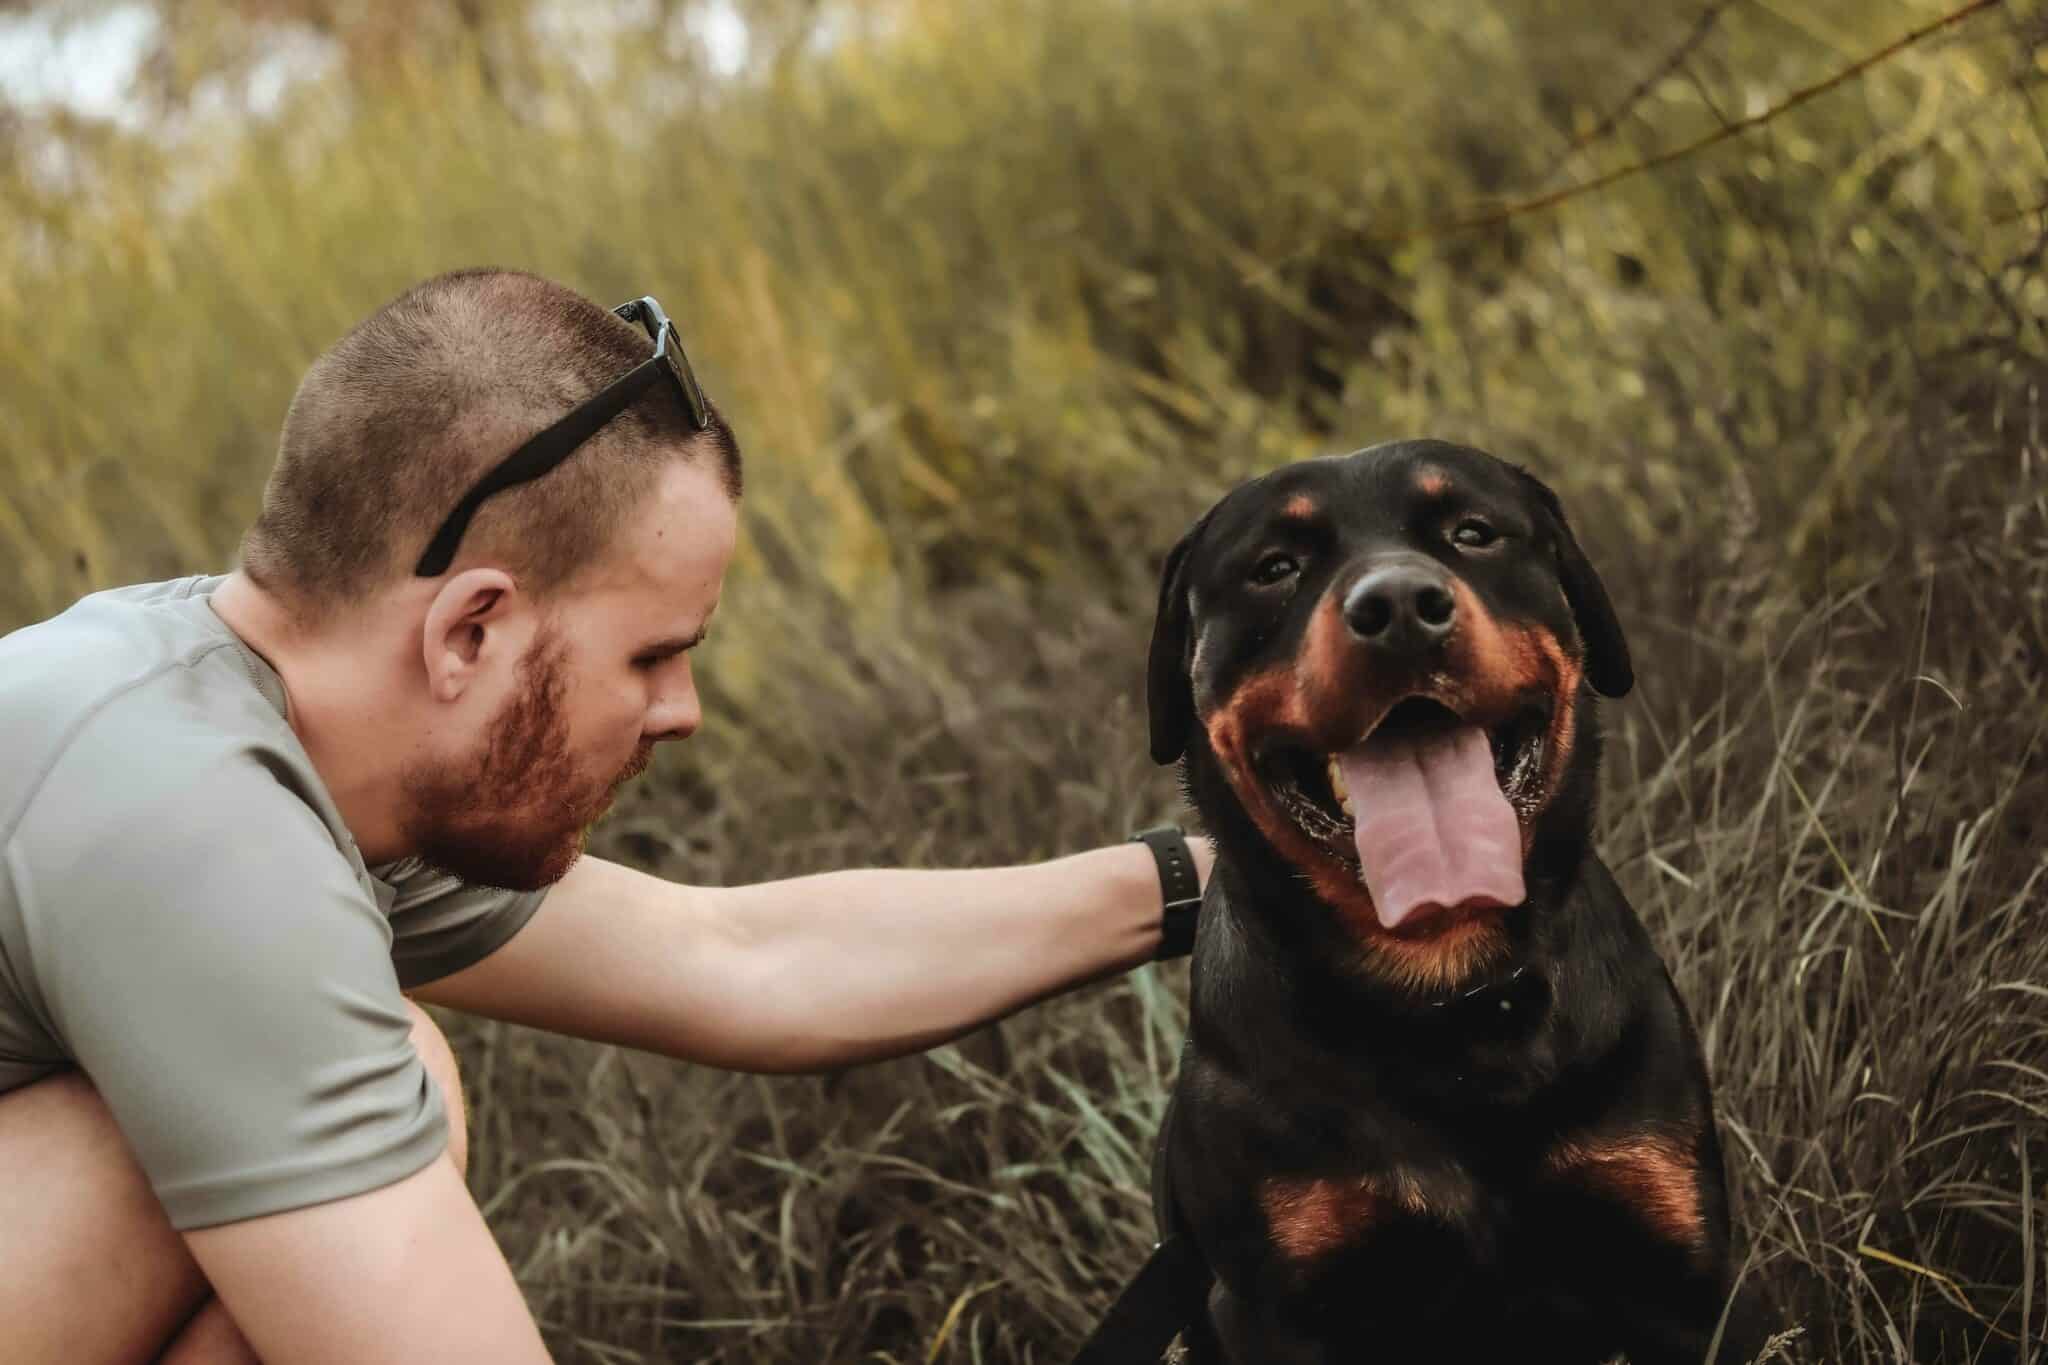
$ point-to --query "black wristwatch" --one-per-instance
(1179, 887)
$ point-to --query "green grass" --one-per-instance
(999, 299)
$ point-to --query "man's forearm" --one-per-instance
(816, 972)
(854, 966)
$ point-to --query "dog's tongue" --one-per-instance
(1434, 832)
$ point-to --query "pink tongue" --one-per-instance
(1434, 832)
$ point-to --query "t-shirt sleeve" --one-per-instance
(441, 924)
(222, 975)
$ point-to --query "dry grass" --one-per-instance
(999, 300)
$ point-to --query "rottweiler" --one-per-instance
(1439, 1099)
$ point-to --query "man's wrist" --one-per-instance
(1180, 889)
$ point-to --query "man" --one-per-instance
(242, 818)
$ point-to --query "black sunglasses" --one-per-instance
(558, 442)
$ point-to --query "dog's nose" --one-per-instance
(1401, 609)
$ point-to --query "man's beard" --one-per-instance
(516, 817)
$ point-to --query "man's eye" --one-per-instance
(1474, 534)
(1274, 568)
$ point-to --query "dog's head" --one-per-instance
(1377, 667)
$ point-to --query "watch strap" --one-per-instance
(1180, 889)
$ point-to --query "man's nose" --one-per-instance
(1401, 610)
(676, 712)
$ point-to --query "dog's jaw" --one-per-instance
(1276, 735)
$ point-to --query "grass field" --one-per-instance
(999, 298)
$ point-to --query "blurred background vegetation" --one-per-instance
(999, 296)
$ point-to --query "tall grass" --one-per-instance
(999, 298)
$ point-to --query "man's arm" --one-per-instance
(813, 972)
(406, 1273)
(233, 1000)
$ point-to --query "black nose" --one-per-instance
(1401, 609)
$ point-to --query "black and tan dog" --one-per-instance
(1439, 1099)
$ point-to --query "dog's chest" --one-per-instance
(1433, 1230)
(1312, 1220)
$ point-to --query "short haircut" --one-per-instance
(393, 425)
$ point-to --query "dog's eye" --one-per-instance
(1474, 534)
(1274, 568)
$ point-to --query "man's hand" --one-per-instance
(814, 972)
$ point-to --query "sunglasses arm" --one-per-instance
(546, 450)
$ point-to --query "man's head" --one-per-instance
(595, 681)
(400, 418)
(510, 695)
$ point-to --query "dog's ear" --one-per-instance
(1169, 694)
(1607, 661)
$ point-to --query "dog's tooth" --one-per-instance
(1337, 786)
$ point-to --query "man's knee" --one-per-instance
(61, 1128)
(440, 1062)
(90, 1268)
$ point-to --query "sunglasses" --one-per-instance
(558, 442)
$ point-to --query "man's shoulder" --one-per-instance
(136, 700)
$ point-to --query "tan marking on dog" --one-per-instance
(1309, 1219)
(1261, 704)
(1563, 681)
(1448, 952)
(1432, 483)
(1328, 701)
(1496, 662)
(1301, 507)
(1657, 1175)
(1330, 698)
(1506, 659)
(1335, 678)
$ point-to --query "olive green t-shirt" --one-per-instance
(185, 917)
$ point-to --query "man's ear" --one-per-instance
(1607, 662)
(465, 625)
(1169, 695)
